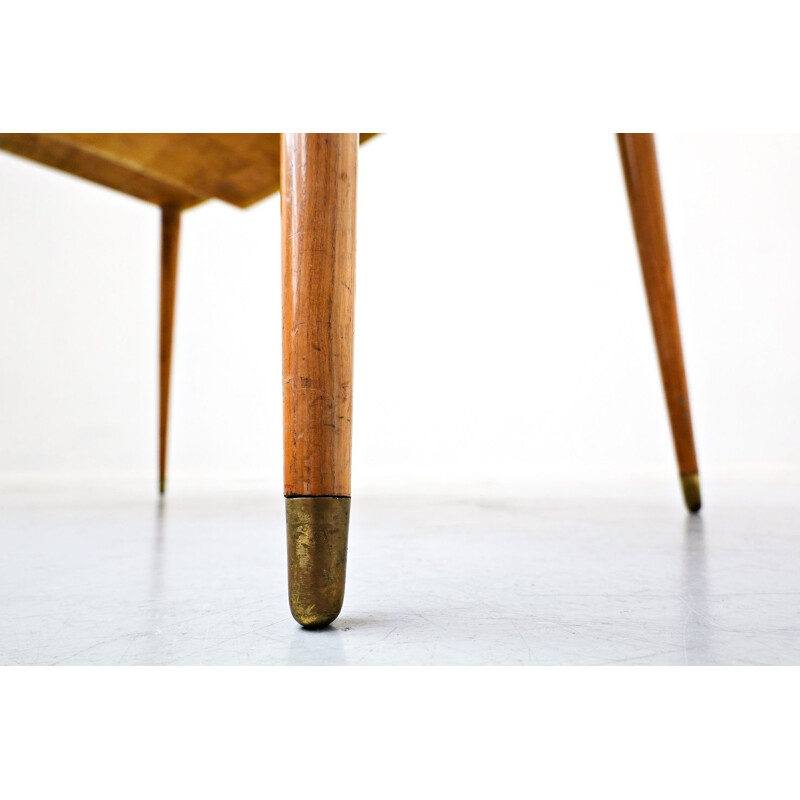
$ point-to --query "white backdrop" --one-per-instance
(501, 326)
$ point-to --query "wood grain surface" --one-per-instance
(318, 213)
(640, 166)
(67, 157)
(178, 169)
(170, 235)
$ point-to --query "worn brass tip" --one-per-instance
(162, 485)
(691, 491)
(316, 534)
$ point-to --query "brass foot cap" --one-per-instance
(162, 485)
(691, 491)
(316, 535)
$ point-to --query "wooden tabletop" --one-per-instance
(168, 169)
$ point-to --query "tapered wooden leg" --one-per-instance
(640, 166)
(318, 210)
(170, 234)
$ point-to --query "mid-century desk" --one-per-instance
(316, 174)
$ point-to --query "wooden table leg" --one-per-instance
(318, 209)
(170, 234)
(640, 166)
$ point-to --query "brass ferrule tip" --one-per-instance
(691, 491)
(316, 535)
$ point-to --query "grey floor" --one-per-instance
(614, 575)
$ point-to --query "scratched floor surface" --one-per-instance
(565, 577)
